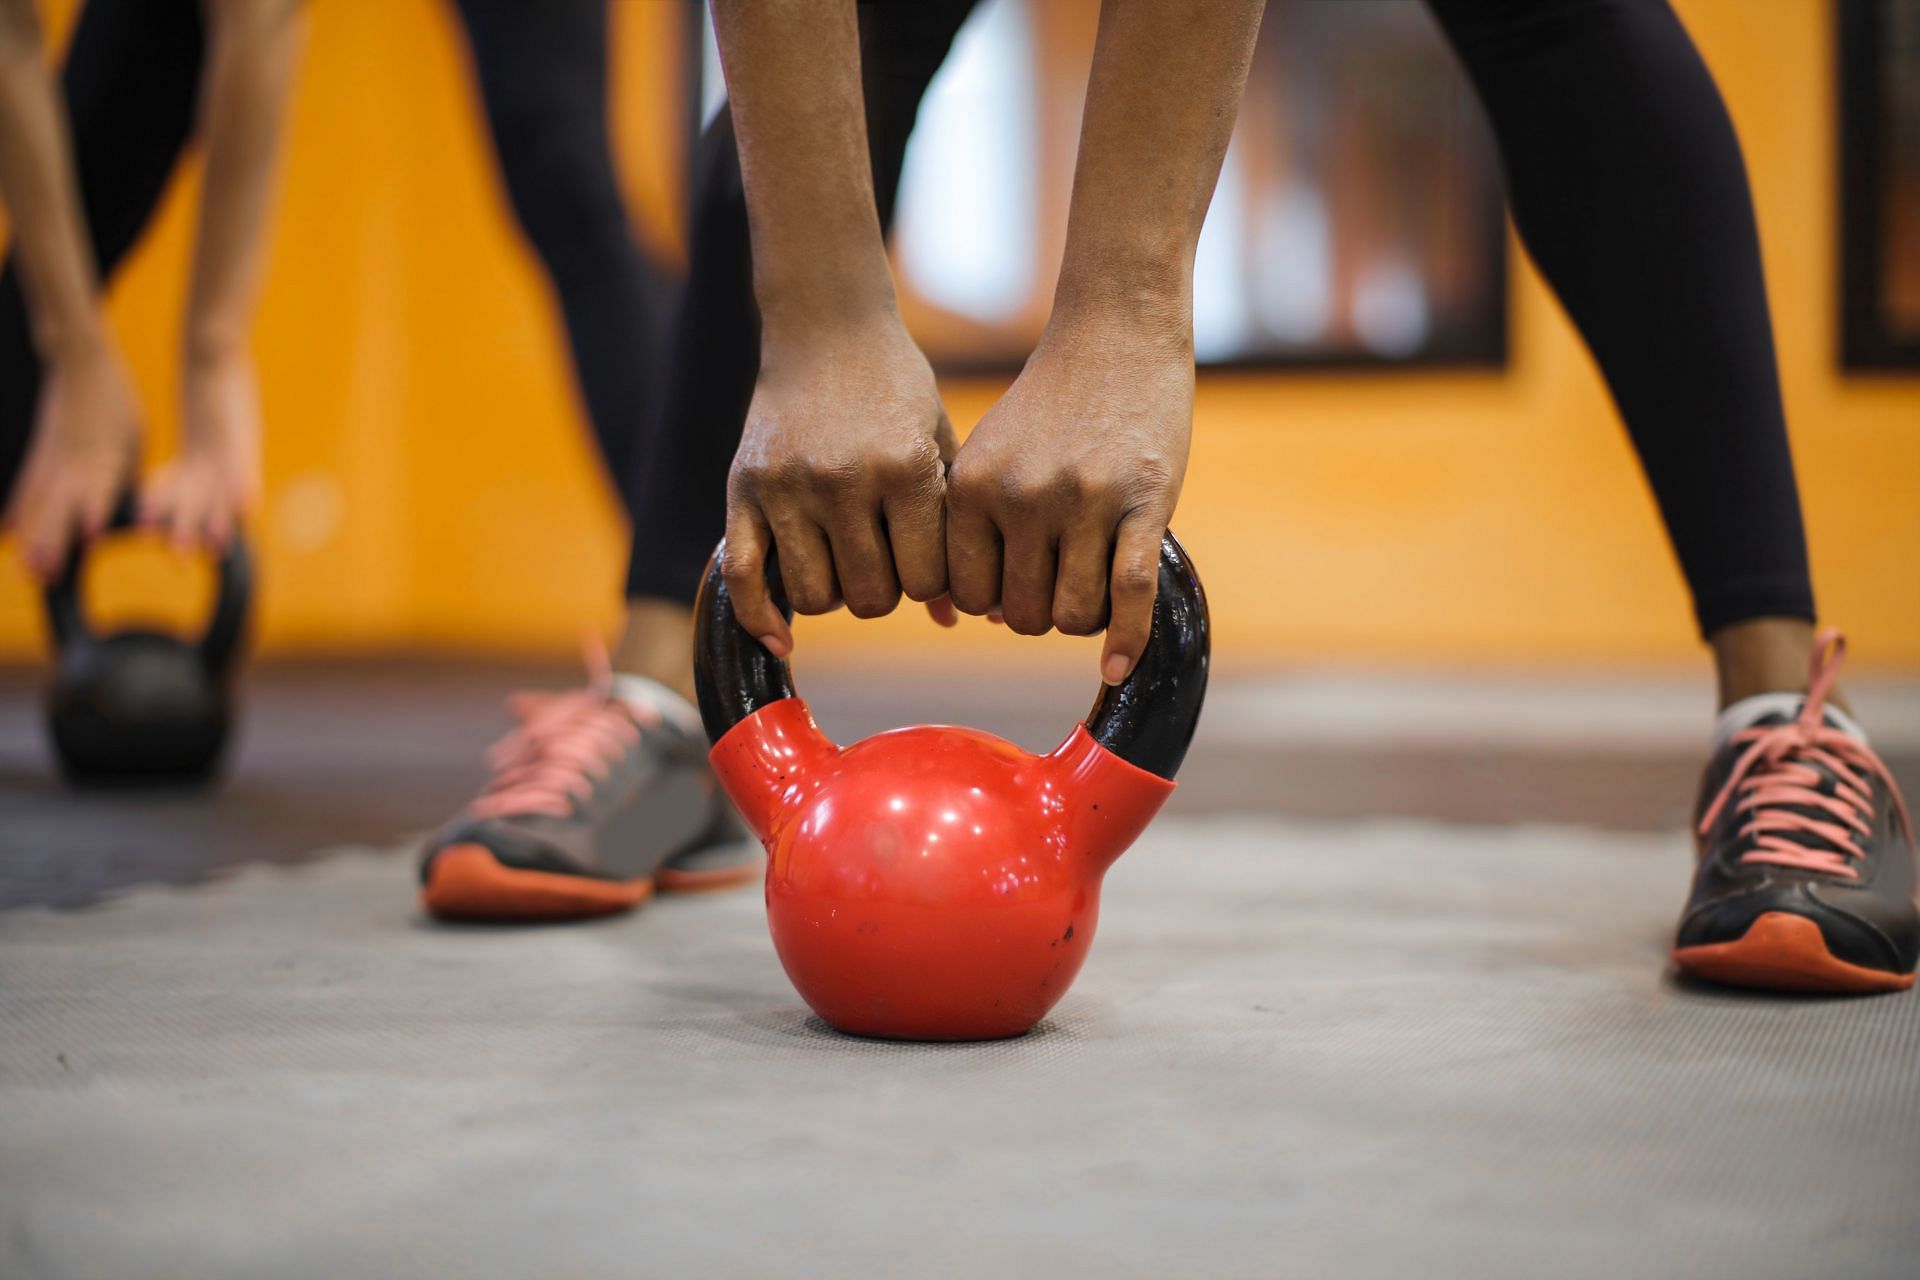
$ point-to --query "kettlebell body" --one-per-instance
(937, 882)
(140, 706)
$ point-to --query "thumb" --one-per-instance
(743, 562)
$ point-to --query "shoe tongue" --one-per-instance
(1764, 710)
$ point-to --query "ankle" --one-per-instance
(1763, 655)
(658, 644)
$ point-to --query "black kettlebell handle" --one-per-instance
(1147, 719)
(234, 592)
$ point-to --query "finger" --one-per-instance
(50, 534)
(973, 561)
(219, 525)
(184, 521)
(743, 563)
(941, 610)
(1080, 593)
(863, 563)
(807, 569)
(96, 509)
(1135, 578)
(917, 533)
(1026, 583)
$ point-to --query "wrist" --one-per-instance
(210, 349)
(807, 304)
(81, 340)
(814, 321)
(1145, 299)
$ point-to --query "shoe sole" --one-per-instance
(712, 879)
(466, 882)
(1782, 952)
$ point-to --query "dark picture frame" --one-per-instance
(1344, 98)
(1879, 188)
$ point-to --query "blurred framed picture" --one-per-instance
(1879, 86)
(1358, 220)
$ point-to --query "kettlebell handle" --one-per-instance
(1147, 720)
(233, 593)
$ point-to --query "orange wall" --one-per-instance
(430, 485)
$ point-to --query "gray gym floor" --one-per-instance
(1310, 1040)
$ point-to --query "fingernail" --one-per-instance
(774, 645)
(1116, 668)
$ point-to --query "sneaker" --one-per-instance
(1806, 874)
(599, 798)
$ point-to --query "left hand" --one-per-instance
(1057, 501)
(200, 497)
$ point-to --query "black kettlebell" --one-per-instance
(140, 705)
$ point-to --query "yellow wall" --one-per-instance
(430, 485)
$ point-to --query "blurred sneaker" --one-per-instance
(1806, 873)
(599, 798)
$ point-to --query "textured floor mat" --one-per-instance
(1483, 1070)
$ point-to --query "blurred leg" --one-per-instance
(542, 70)
(131, 80)
(1629, 191)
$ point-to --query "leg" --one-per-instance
(131, 80)
(679, 516)
(542, 71)
(1628, 188)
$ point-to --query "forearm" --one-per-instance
(253, 50)
(1161, 99)
(793, 84)
(41, 193)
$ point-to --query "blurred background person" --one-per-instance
(83, 171)
(601, 795)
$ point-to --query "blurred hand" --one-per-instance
(1056, 504)
(841, 469)
(86, 444)
(198, 498)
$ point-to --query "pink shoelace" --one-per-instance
(564, 743)
(1779, 775)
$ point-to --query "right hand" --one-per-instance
(842, 469)
(86, 444)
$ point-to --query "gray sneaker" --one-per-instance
(597, 800)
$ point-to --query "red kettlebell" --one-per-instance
(940, 883)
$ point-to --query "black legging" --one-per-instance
(131, 83)
(542, 71)
(1628, 189)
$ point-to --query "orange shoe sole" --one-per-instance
(468, 883)
(714, 880)
(1782, 952)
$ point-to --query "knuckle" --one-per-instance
(1078, 618)
(969, 484)
(922, 585)
(971, 598)
(872, 602)
(1028, 617)
(809, 598)
(1020, 494)
(1136, 579)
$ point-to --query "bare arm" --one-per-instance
(842, 460)
(86, 429)
(253, 49)
(1057, 503)
(42, 196)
